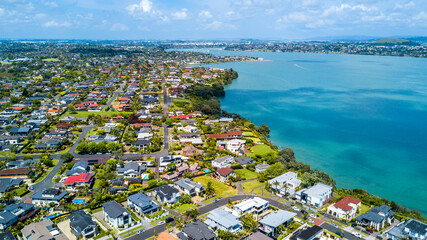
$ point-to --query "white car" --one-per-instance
(295, 208)
(357, 234)
(312, 215)
(161, 222)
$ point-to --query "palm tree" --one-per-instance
(286, 187)
(347, 216)
(276, 184)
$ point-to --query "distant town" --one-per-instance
(127, 140)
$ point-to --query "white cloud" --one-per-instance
(144, 6)
(1, 11)
(217, 25)
(420, 16)
(118, 27)
(54, 23)
(180, 15)
(50, 4)
(205, 14)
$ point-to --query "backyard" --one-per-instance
(261, 149)
(245, 173)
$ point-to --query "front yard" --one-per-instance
(249, 186)
(245, 173)
(261, 149)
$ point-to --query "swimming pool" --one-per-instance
(79, 201)
(207, 170)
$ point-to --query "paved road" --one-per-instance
(116, 93)
(85, 131)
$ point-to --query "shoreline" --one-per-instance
(423, 216)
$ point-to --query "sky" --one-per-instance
(210, 19)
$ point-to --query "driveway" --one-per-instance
(65, 228)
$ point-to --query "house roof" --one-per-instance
(114, 209)
(6, 217)
(244, 160)
(225, 171)
(165, 191)
(188, 184)
(374, 215)
(259, 236)
(79, 220)
(344, 203)
(7, 236)
(49, 194)
(81, 178)
(142, 200)
(222, 159)
(166, 236)
(221, 217)
(307, 233)
(277, 218)
(198, 231)
(14, 172)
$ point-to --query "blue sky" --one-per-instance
(210, 19)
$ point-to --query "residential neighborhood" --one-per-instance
(103, 142)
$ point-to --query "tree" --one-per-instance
(192, 213)
(249, 222)
(185, 199)
(209, 189)
(67, 157)
(264, 130)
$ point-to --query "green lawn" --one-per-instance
(55, 161)
(248, 186)
(20, 191)
(364, 208)
(248, 134)
(245, 173)
(51, 60)
(220, 188)
(261, 149)
(41, 177)
(184, 207)
(85, 114)
(256, 140)
(97, 184)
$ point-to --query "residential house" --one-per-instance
(16, 173)
(131, 170)
(261, 167)
(183, 168)
(44, 230)
(20, 131)
(117, 185)
(7, 219)
(236, 146)
(254, 206)
(285, 183)
(142, 204)
(78, 168)
(408, 229)
(222, 162)
(225, 173)
(116, 215)
(7, 236)
(346, 208)
(258, 236)
(187, 186)
(45, 197)
(81, 180)
(244, 160)
(220, 219)
(308, 233)
(166, 194)
(166, 236)
(315, 195)
(191, 150)
(377, 217)
(7, 183)
(82, 225)
(270, 223)
(196, 231)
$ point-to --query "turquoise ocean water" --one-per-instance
(362, 119)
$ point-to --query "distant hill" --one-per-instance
(392, 41)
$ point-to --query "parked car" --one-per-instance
(140, 231)
(169, 219)
(370, 230)
(312, 215)
(161, 222)
(354, 225)
(357, 234)
(295, 208)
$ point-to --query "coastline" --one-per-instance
(422, 217)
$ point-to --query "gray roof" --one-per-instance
(188, 184)
(277, 218)
(222, 159)
(7, 183)
(307, 233)
(39, 195)
(7, 236)
(7, 217)
(165, 191)
(259, 236)
(223, 218)
(114, 209)
(374, 215)
(412, 225)
(143, 201)
(198, 231)
(79, 220)
(244, 160)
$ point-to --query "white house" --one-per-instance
(189, 187)
(235, 146)
(222, 162)
(285, 183)
(346, 208)
(115, 214)
(221, 219)
(315, 195)
(255, 205)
